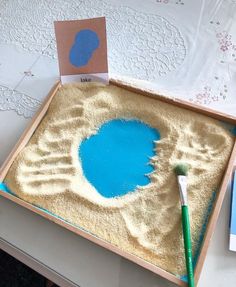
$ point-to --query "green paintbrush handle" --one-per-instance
(187, 245)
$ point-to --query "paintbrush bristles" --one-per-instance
(181, 169)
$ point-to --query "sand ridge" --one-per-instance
(146, 222)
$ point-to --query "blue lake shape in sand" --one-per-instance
(86, 42)
(116, 160)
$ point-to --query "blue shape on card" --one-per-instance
(86, 42)
(117, 159)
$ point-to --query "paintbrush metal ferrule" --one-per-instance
(182, 181)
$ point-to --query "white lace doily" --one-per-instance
(21, 103)
(140, 45)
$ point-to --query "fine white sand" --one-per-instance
(146, 222)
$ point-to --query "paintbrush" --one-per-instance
(181, 171)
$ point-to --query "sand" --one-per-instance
(146, 222)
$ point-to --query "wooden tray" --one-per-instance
(215, 210)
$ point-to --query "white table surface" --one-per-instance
(28, 69)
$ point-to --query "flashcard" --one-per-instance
(82, 50)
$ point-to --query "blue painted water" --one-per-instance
(85, 43)
(116, 159)
(4, 187)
